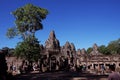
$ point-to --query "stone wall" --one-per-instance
(17, 62)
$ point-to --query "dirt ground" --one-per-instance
(60, 76)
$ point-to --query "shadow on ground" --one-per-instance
(60, 76)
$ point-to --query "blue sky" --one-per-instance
(82, 22)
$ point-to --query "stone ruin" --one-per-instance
(52, 48)
(95, 50)
(52, 42)
(68, 49)
(52, 45)
(95, 59)
(81, 54)
(81, 57)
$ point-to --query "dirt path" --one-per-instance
(61, 76)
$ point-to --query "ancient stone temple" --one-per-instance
(54, 52)
(52, 45)
(96, 60)
(52, 42)
(81, 57)
(95, 50)
(68, 49)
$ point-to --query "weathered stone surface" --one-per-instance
(68, 49)
(67, 45)
(83, 51)
(73, 47)
(52, 47)
(78, 52)
(52, 42)
(95, 50)
(81, 54)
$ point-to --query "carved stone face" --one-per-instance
(52, 42)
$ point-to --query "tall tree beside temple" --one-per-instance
(114, 47)
(29, 50)
(28, 20)
(104, 50)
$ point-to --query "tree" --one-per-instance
(114, 47)
(89, 50)
(28, 49)
(27, 21)
(103, 49)
(11, 32)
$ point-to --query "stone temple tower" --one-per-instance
(52, 45)
(52, 42)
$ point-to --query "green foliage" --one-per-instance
(11, 32)
(114, 47)
(89, 50)
(104, 50)
(28, 49)
(27, 20)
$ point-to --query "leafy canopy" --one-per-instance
(114, 47)
(27, 21)
(103, 49)
(28, 49)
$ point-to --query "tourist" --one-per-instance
(102, 69)
(84, 68)
(14, 67)
(34, 66)
(114, 75)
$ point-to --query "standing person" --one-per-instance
(114, 75)
(14, 67)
